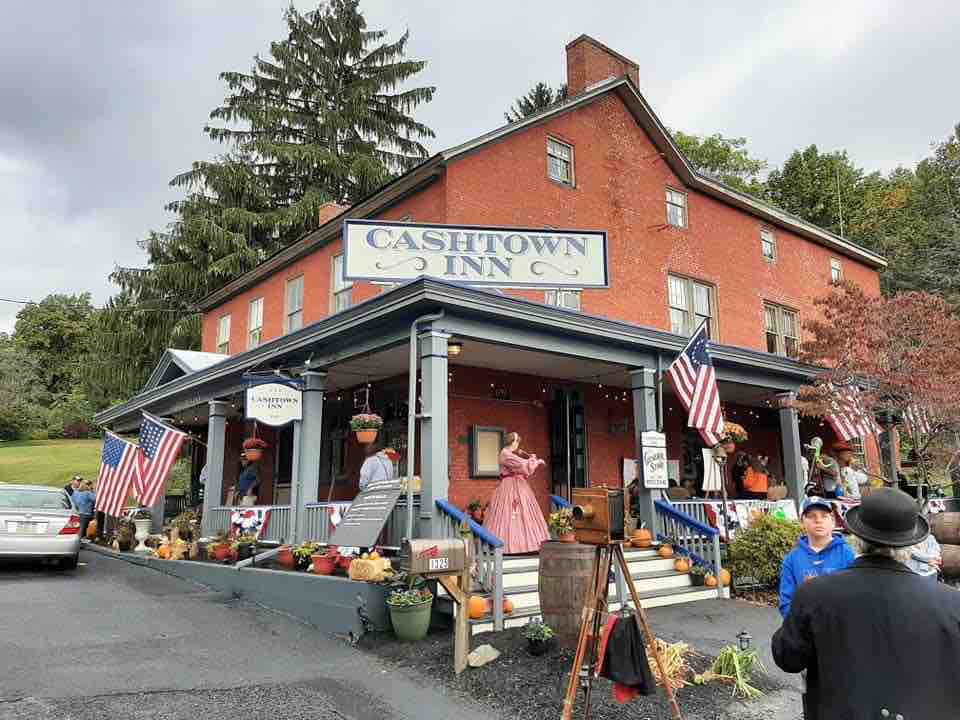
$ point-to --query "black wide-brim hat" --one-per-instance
(889, 517)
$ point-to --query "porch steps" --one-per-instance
(656, 581)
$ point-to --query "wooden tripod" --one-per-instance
(591, 620)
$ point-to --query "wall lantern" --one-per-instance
(744, 639)
(454, 348)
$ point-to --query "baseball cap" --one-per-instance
(816, 502)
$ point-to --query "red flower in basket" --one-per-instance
(255, 444)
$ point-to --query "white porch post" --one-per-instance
(790, 443)
(216, 449)
(643, 384)
(307, 446)
(435, 443)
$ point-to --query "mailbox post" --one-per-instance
(448, 560)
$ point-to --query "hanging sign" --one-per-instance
(274, 402)
(654, 460)
(497, 256)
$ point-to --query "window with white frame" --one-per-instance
(676, 208)
(255, 324)
(836, 271)
(560, 161)
(294, 315)
(691, 303)
(569, 299)
(223, 335)
(768, 244)
(341, 288)
(782, 327)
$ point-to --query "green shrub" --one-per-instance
(758, 551)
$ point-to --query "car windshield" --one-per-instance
(39, 499)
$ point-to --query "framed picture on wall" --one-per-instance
(485, 445)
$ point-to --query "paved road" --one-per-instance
(117, 640)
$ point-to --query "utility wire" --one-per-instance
(140, 308)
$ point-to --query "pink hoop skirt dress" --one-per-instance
(514, 514)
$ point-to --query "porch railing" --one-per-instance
(690, 537)
(318, 527)
(278, 527)
(559, 503)
(487, 552)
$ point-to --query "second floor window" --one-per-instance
(768, 245)
(342, 298)
(836, 271)
(691, 303)
(223, 335)
(294, 318)
(676, 208)
(255, 326)
(782, 327)
(569, 299)
(560, 161)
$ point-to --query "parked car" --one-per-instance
(39, 522)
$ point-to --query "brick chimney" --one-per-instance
(329, 211)
(590, 62)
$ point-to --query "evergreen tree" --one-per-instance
(725, 159)
(540, 97)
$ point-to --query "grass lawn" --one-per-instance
(49, 462)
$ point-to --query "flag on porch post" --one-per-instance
(695, 382)
(159, 450)
(918, 420)
(848, 420)
(118, 466)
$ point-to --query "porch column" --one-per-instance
(307, 446)
(643, 384)
(434, 440)
(216, 448)
(790, 444)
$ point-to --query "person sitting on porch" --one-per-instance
(377, 467)
(249, 481)
(514, 514)
(756, 482)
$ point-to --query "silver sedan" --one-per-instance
(38, 522)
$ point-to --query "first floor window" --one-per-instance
(255, 326)
(342, 288)
(676, 208)
(223, 335)
(560, 161)
(569, 299)
(691, 303)
(782, 327)
(294, 318)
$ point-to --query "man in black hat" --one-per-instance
(876, 640)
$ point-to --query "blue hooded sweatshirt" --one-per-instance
(804, 562)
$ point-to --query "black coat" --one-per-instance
(874, 637)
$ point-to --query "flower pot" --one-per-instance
(698, 580)
(285, 558)
(538, 646)
(323, 564)
(411, 622)
(367, 436)
(343, 562)
(253, 454)
(143, 532)
(569, 537)
(221, 553)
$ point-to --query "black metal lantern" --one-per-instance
(744, 639)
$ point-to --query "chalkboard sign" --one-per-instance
(364, 519)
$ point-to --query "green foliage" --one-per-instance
(53, 333)
(537, 630)
(406, 598)
(179, 480)
(71, 417)
(540, 97)
(758, 551)
(725, 159)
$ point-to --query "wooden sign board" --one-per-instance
(366, 516)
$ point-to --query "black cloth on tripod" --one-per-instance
(625, 658)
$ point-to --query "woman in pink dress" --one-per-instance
(514, 514)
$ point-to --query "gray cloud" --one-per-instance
(101, 103)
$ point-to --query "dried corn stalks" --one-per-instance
(674, 657)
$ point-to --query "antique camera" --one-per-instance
(598, 515)
(437, 556)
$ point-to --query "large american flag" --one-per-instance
(695, 382)
(159, 450)
(118, 464)
(849, 420)
(918, 420)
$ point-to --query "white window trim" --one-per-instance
(691, 310)
(287, 311)
(836, 264)
(557, 295)
(345, 289)
(573, 176)
(251, 328)
(781, 335)
(773, 242)
(686, 207)
(223, 344)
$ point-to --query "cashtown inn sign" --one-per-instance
(498, 256)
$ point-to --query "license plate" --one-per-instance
(26, 528)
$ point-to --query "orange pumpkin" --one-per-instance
(725, 576)
(507, 606)
(478, 607)
(163, 552)
(682, 565)
(710, 581)
(641, 538)
(666, 551)
(92, 530)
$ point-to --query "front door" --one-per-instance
(568, 442)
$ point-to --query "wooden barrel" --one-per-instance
(564, 582)
(946, 527)
(951, 561)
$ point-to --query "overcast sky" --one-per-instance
(102, 102)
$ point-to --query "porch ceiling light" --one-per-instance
(454, 348)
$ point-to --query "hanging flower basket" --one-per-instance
(733, 434)
(366, 426)
(253, 448)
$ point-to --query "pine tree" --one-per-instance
(540, 97)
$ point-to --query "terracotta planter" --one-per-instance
(569, 537)
(253, 454)
(222, 553)
(365, 437)
(323, 564)
(343, 562)
(285, 558)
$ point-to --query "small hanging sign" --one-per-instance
(274, 401)
(654, 460)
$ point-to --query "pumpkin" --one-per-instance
(725, 576)
(642, 538)
(666, 551)
(710, 581)
(163, 552)
(92, 530)
(507, 606)
(682, 565)
(478, 607)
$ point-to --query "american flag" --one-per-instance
(118, 464)
(918, 420)
(849, 420)
(159, 450)
(695, 382)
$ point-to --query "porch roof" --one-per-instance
(383, 323)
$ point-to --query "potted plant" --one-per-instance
(475, 508)
(324, 561)
(253, 448)
(303, 552)
(142, 521)
(538, 635)
(366, 426)
(561, 523)
(244, 546)
(410, 612)
(733, 435)
(285, 558)
(220, 549)
(125, 535)
(187, 525)
(698, 575)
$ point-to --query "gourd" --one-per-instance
(163, 552)
(641, 538)
(710, 581)
(478, 607)
(682, 565)
(507, 606)
(666, 551)
(724, 576)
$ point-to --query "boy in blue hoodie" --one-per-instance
(818, 552)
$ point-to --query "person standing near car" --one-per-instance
(84, 498)
(72, 486)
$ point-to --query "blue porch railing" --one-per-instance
(487, 553)
(559, 502)
(689, 536)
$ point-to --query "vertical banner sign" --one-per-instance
(274, 401)
(496, 256)
(654, 460)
